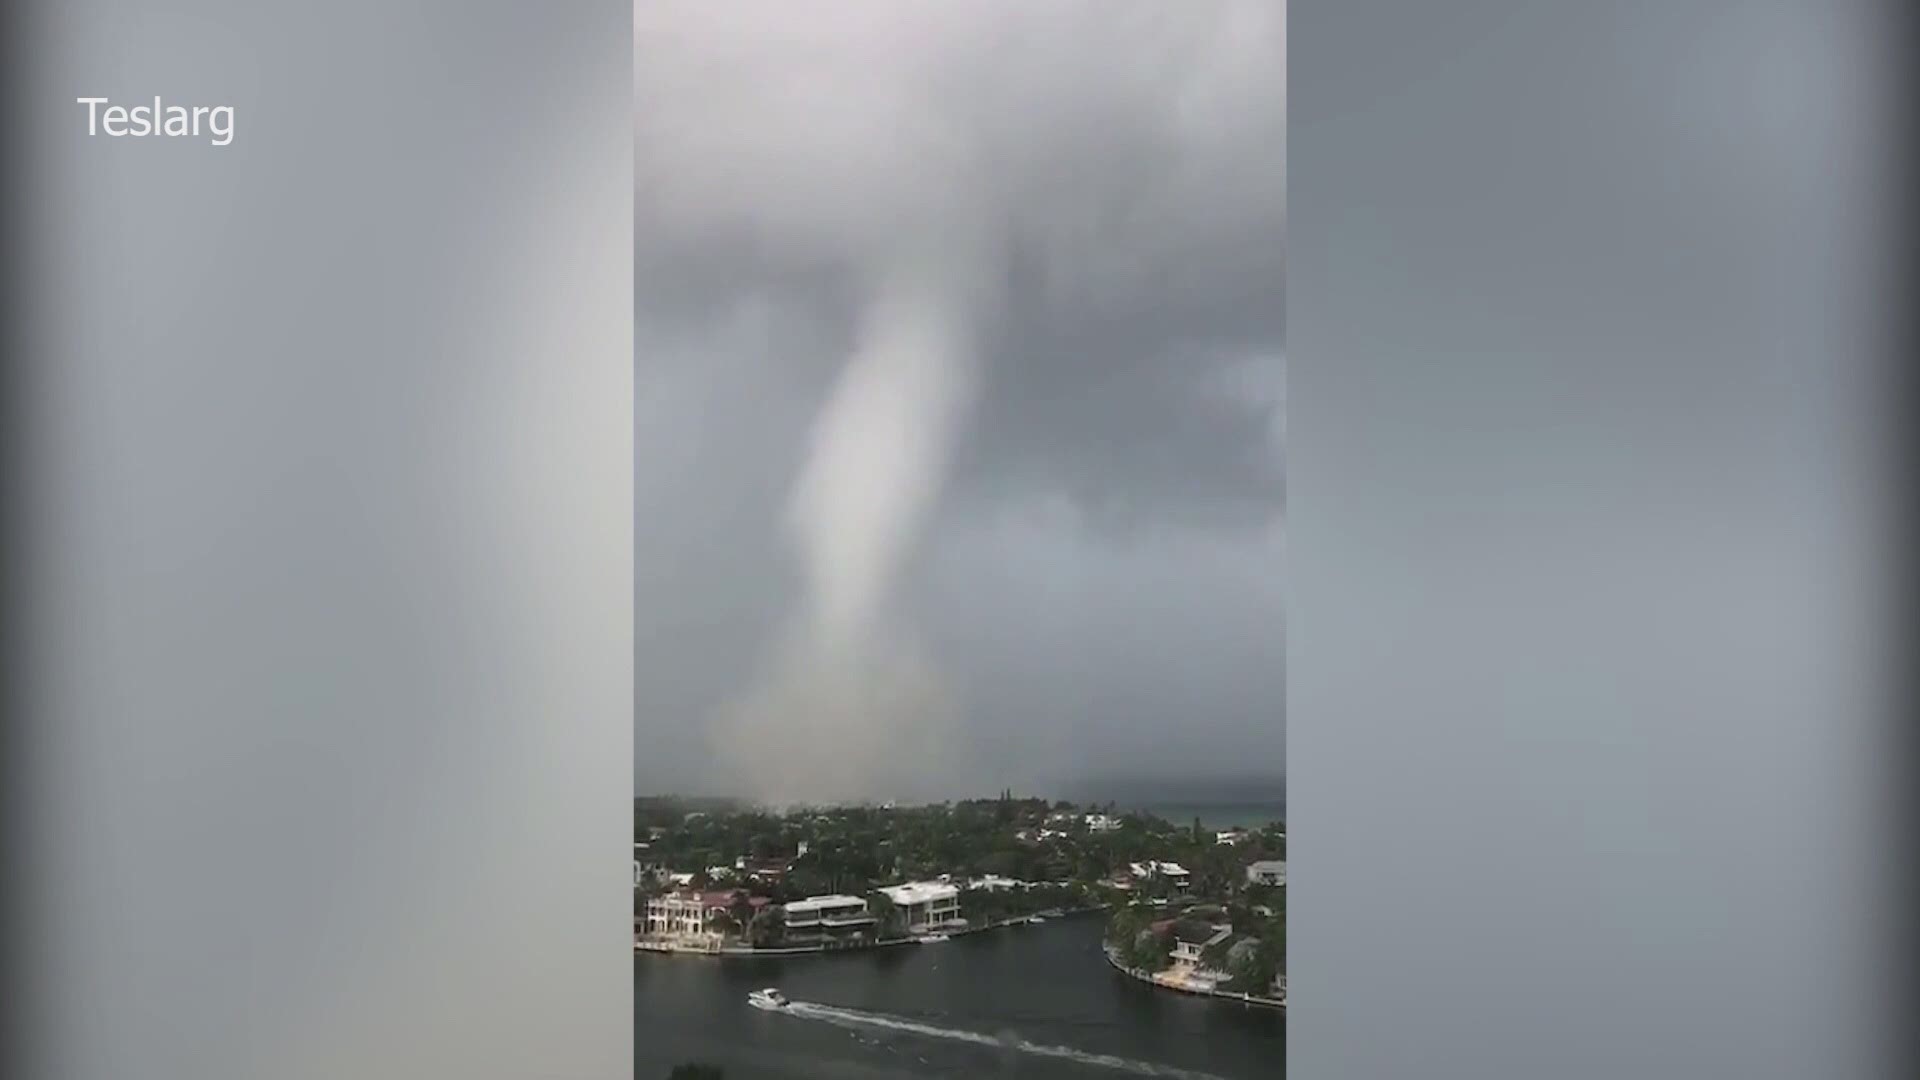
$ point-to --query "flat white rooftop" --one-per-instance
(920, 892)
(1167, 869)
(835, 901)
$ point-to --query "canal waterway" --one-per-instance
(1026, 1001)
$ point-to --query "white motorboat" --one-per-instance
(769, 999)
(929, 939)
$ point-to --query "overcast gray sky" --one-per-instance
(959, 394)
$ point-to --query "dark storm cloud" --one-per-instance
(1098, 189)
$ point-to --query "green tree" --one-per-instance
(768, 928)
(889, 921)
(1151, 951)
(1254, 973)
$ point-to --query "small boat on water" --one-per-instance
(929, 939)
(1038, 919)
(769, 999)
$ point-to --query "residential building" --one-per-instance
(926, 905)
(1229, 836)
(1102, 823)
(690, 914)
(996, 883)
(1190, 942)
(677, 914)
(1267, 872)
(761, 869)
(1174, 873)
(820, 917)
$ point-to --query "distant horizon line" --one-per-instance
(1196, 801)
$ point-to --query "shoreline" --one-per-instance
(744, 952)
(1250, 1000)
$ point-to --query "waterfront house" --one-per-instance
(824, 918)
(1267, 872)
(1190, 940)
(687, 914)
(1102, 823)
(1229, 836)
(677, 914)
(926, 905)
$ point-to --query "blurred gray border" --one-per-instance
(329, 543)
(1586, 545)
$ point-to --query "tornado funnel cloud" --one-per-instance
(879, 452)
(851, 705)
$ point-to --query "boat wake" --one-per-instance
(833, 1014)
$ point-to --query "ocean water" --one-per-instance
(1252, 815)
(1030, 1001)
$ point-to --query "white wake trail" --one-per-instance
(833, 1014)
